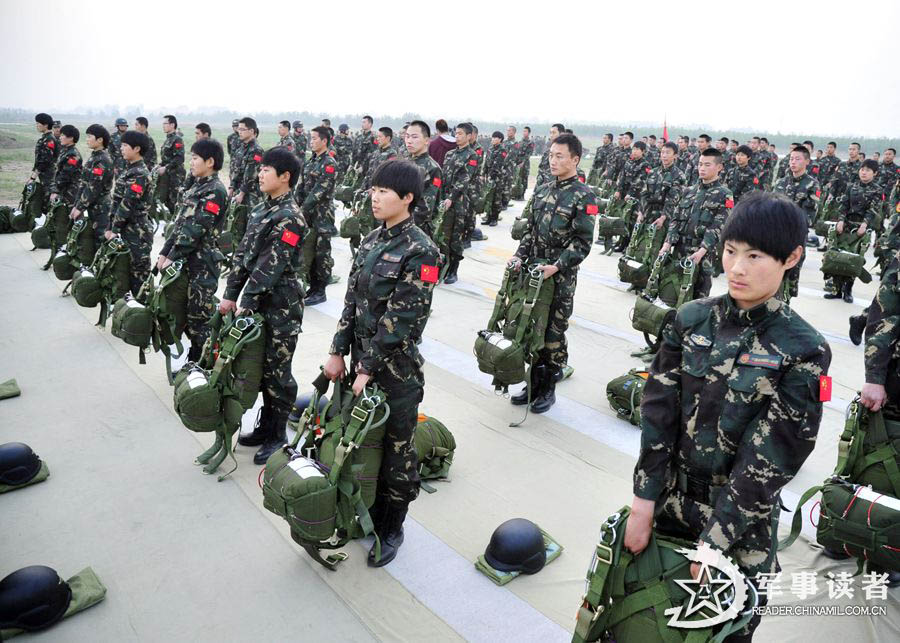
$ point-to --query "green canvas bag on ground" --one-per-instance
(40, 238)
(624, 394)
(78, 250)
(435, 446)
(5, 219)
(107, 279)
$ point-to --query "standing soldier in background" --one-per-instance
(245, 186)
(662, 190)
(115, 142)
(474, 189)
(828, 164)
(56, 129)
(171, 165)
(652, 154)
(300, 142)
(193, 240)
(141, 124)
(495, 170)
(46, 149)
(743, 178)
(526, 149)
(418, 135)
(782, 167)
(316, 198)
(67, 179)
(684, 156)
(234, 140)
(131, 203)
(363, 145)
(544, 166)
(630, 187)
(460, 166)
(343, 147)
(801, 188)
(285, 139)
(616, 162)
(598, 165)
(96, 183)
(511, 145)
(846, 173)
(727, 155)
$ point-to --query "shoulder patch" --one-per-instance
(98, 171)
(729, 203)
(759, 359)
(179, 145)
(137, 188)
(257, 158)
(51, 145)
(473, 162)
(436, 182)
(329, 169)
(73, 160)
(824, 388)
(429, 274)
(700, 340)
(211, 206)
(290, 238)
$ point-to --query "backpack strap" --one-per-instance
(882, 452)
(533, 284)
(652, 289)
(686, 284)
(499, 302)
(797, 521)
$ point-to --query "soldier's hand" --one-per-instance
(616, 195)
(446, 204)
(75, 214)
(227, 306)
(639, 525)
(660, 222)
(639, 217)
(334, 368)
(697, 257)
(230, 192)
(873, 396)
(109, 234)
(862, 229)
(550, 270)
(514, 263)
(160, 169)
(54, 198)
(839, 228)
(665, 248)
(360, 382)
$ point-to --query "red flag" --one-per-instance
(72, 161)
(665, 130)
(591, 209)
(473, 162)
(290, 238)
(257, 158)
(98, 171)
(137, 188)
(329, 169)
(429, 274)
(824, 388)
(729, 203)
(436, 183)
(179, 145)
(212, 206)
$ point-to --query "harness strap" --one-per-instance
(797, 520)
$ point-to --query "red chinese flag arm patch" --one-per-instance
(51, 145)
(72, 161)
(329, 169)
(824, 388)
(290, 238)
(98, 171)
(473, 162)
(755, 181)
(257, 158)
(818, 193)
(179, 145)
(137, 188)
(729, 203)
(437, 182)
(581, 178)
(429, 274)
(211, 206)
(591, 209)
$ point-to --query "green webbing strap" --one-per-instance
(797, 520)
(686, 283)
(362, 416)
(232, 343)
(652, 289)
(848, 447)
(499, 301)
(637, 231)
(883, 452)
(534, 283)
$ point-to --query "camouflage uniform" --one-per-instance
(652, 156)
(846, 174)
(266, 277)
(762, 162)
(424, 211)
(525, 152)
(169, 184)
(94, 192)
(684, 163)
(496, 169)
(460, 166)
(560, 231)
(115, 150)
(742, 180)
(363, 145)
(729, 414)
(315, 194)
(246, 179)
(697, 224)
(616, 164)
(805, 192)
(67, 178)
(46, 151)
(301, 143)
(860, 203)
(234, 143)
(288, 141)
(512, 147)
(544, 168)
(149, 155)
(661, 194)
(598, 165)
(728, 161)
(386, 306)
(475, 187)
(882, 353)
(828, 165)
(128, 218)
(193, 241)
(234, 170)
(343, 145)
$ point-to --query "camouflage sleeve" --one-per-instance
(67, 177)
(582, 236)
(675, 224)
(430, 192)
(463, 180)
(874, 203)
(527, 240)
(714, 229)
(44, 157)
(672, 199)
(639, 181)
(406, 312)
(323, 191)
(175, 159)
(130, 203)
(810, 201)
(250, 170)
(773, 447)
(92, 186)
(844, 205)
(620, 184)
(660, 415)
(194, 226)
(283, 240)
(239, 273)
(883, 326)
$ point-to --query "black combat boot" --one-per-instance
(315, 297)
(857, 326)
(195, 352)
(260, 429)
(277, 436)
(547, 394)
(521, 399)
(835, 293)
(848, 292)
(450, 277)
(391, 536)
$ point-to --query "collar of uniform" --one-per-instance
(390, 233)
(753, 315)
(207, 179)
(564, 182)
(136, 163)
(271, 203)
(706, 186)
(170, 135)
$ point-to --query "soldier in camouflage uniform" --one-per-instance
(703, 143)
(343, 146)
(828, 164)
(386, 307)
(694, 232)
(511, 145)
(141, 124)
(629, 188)
(684, 156)
(475, 188)
(67, 178)
(316, 198)
(662, 190)
(525, 152)
(616, 162)
(93, 197)
(193, 240)
(46, 150)
(131, 202)
(383, 151)
(418, 135)
(266, 278)
(727, 155)
(363, 145)
(652, 154)
(171, 165)
(847, 172)
(285, 139)
(782, 167)
(598, 165)
(801, 188)
(882, 387)
(743, 178)
(496, 168)
(460, 168)
(115, 143)
(234, 140)
(544, 166)
(244, 182)
(732, 407)
(301, 142)
(559, 231)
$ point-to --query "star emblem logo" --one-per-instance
(708, 592)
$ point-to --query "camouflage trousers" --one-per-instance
(555, 352)
(139, 239)
(201, 303)
(317, 263)
(494, 208)
(754, 553)
(169, 189)
(398, 479)
(278, 384)
(453, 229)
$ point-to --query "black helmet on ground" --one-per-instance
(517, 546)
(33, 598)
(18, 463)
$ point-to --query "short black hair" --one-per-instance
(44, 119)
(672, 146)
(204, 128)
(135, 138)
(724, 139)
(705, 137)
(559, 127)
(71, 131)
(368, 118)
(801, 149)
(641, 145)
(609, 134)
(652, 137)
(571, 141)
(497, 134)
(403, 177)
(629, 135)
(422, 125)
(326, 122)
(712, 152)
(286, 124)
(512, 127)
(208, 148)
(831, 143)
(465, 127)
(143, 121)
(249, 123)
(569, 130)
(324, 133)
(809, 142)
(734, 140)
(763, 139)
(872, 164)
(856, 144)
(282, 160)
(528, 128)
(744, 149)
(98, 131)
(387, 131)
(891, 149)
(171, 119)
(768, 222)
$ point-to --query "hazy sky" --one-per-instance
(813, 67)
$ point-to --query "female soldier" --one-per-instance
(385, 309)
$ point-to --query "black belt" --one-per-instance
(697, 488)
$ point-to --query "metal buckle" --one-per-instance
(601, 546)
(243, 323)
(361, 416)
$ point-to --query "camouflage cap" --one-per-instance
(297, 124)
(121, 121)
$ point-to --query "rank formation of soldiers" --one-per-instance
(729, 407)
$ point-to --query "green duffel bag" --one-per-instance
(608, 226)
(40, 238)
(64, 266)
(869, 450)
(198, 402)
(59, 223)
(651, 317)
(822, 227)
(132, 322)
(22, 221)
(624, 394)
(841, 263)
(298, 489)
(344, 193)
(86, 288)
(78, 250)
(5, 219)
(633, 272)
(501, 357)
(519, 227)
(247, 366)
(435, 446)
(349, 227)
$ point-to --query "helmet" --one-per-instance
(33, 598)
(301, 404)
(517, 546)
(344, 127)
(18, 463)
(57, 123)
(297, 125)
(235, 123)
(121, 121)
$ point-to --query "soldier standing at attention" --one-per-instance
(496, 168)
(67, 179)
(46, 149)
(284, 137)
(801, 188)
(141, 124)
(316, 198)
(743, 178)
(386, 307)
(694, 233)
(343, 147)
(193, 240)
(363, 145)
(201, 131)
(460, 166)
(559, 231)
(115, 142)
(96, 183)
(598, 165)
(662, 191)
(475, 188)
(245, 185)
(525, 153)
(301, 142)
(418, 134)
(234, 139)
(544, 166)
(171, 164)
(511, 145)
(131, 202)
(731, 408)
(266, 279)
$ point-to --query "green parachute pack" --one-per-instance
(22, 219)
(78, 250)
(156, 316)
(643, 248)
(845, 256)
(671, 283)
(212, 394)
(235, 226)
(624, 394)
(348, 187)
(6, 213)
(630, 598)
(508, 346)
(615, 221)
(105, 280)
(324, 482)
(435, 446)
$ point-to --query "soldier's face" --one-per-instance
(741, 159)
(754, 144)
(889, 156)
(199, 136)
(510, 132)
(201, 167)
(270, 182)
(383, 141)
(167, 127)
(462, 139)
(667, 156)
(495, 141)
(472, 137)
(66, 140)
(282, 131)
(245, 133)
(562, 163)
(682, 145)
(753, 276)
(606, 139)
(866, 175)
(853, 151)
(720, 145)
(734, 146)
(830, 149)
(317, 143)
(553, 133)
(56, 131)
(122, 128)
(636, 153)
(416, 142)
(702, 145)
(366, 124)
(387, 204)
(798, 163)
(708, 168)
(129, 153)
(93, 142)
